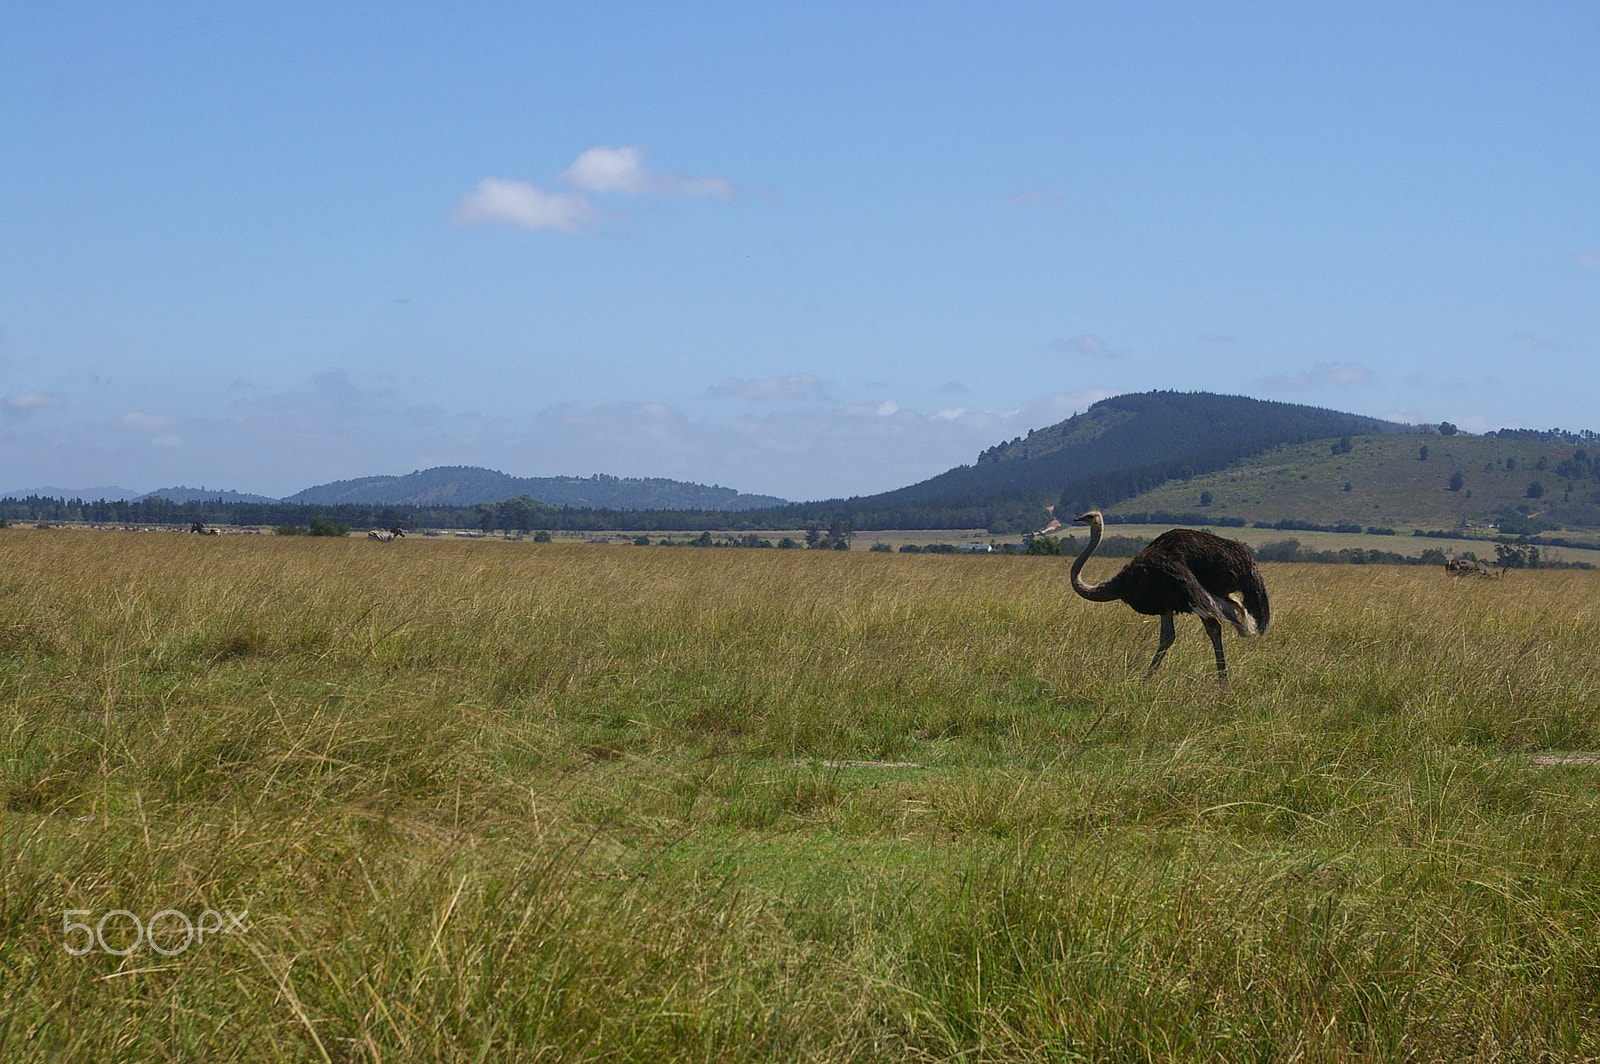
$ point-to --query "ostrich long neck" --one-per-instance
(1092, 592)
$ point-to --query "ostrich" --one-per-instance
(1184, 571)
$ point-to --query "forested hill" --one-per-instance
(1116, 449)
(471, 485)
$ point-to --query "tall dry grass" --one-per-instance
(511, 801)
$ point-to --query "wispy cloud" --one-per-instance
(1533, 343)
(500, 201)
(1321, 375)
(1587, 259)
(598, 171)
(27, 402)
(337, 427)
(771, 389)
(1404, 415)
(1085, 344)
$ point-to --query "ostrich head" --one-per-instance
(1089, 518)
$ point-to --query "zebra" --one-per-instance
(387, 535)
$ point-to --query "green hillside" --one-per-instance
(1115, 449)
(1383, 481)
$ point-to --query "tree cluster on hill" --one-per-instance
(1167, 517)
(1583, 436)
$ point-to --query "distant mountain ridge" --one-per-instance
(109, 491)
(471, 485)
(459, 486)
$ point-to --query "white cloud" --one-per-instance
(771, 389)
(888, 408)
(623, 170)
(1321, 375)
(1085, 344)
(503, 201)
(500, 201)
(25, 402)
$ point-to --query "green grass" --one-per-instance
(505, 801)
(1389, 485)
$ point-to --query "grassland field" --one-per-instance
(488, 800)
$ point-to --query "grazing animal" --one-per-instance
(387, 536)
(1468, 567)
(199, 526)
(1184, 571)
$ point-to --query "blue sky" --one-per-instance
(798, 249)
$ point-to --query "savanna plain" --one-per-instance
(470, 801)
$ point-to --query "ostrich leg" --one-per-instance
(1214, 630)
(1169, 632)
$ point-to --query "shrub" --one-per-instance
(788, 543)
(881, 548)
(287, 529)
(541, 536)
(323, 527)
(641, 541)
(1282, 550)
